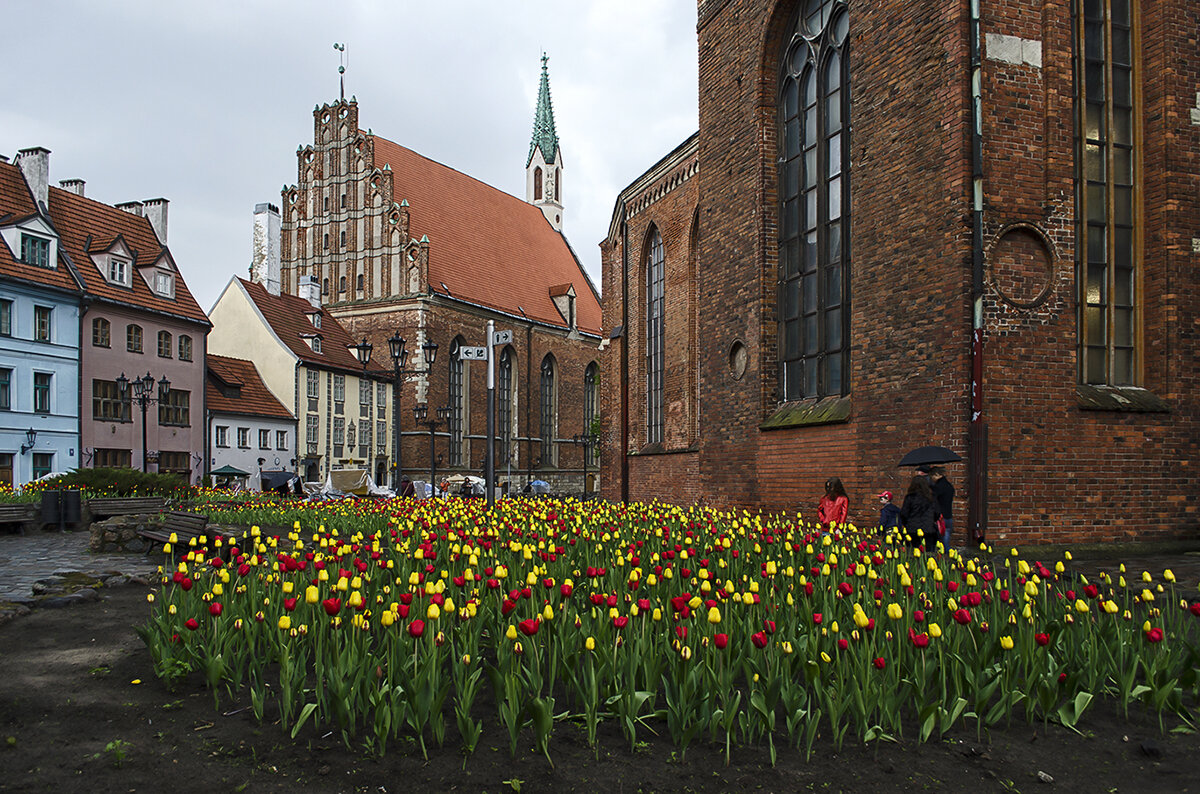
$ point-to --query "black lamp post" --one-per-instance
(587, 441)
(143, 395)
(420, 410)
(396, 347)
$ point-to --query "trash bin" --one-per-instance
(61, 507)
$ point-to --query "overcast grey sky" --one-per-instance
(206, 103)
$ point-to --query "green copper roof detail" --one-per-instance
(544, 135)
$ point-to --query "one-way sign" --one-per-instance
(472, 353)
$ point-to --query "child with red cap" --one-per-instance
(889, 514)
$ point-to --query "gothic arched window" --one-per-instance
(591, 379)
(814, 192)
(504, 405)
(549, 410)
(655, 332)
(456, 403)
(537, 183)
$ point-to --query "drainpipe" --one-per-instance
(623, 450)
(977, 433)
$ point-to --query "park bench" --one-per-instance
(125, 506)
(184, 526)
(21, 513)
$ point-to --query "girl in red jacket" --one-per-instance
(834, 505)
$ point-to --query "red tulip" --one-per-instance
(243, 569)
(289, 604)
(845, 589)
(918, 616)
(416, 628)
(1154, 635)
(952, 586)
(1195, 608)
(565, 590)
(332, 606)
(214, 609)
(1042, 639)
(185, 583)
(879, 663)
(529, 627)
(620, 622)
(192, 624)
(808, 588)
(817, 618)
(962, 617)
(1091, 591)
(721, 640)
(769, 625)
(920, 640)
(404, 608)
(843, 644)
(217, 562)
(759, 638)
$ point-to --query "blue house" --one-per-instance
(40, 302)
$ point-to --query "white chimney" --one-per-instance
(155, 211)
(35, 165)
(310, 290)
(72, 186)
(132, 207)
(264, 258)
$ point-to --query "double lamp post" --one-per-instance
(143, 395)
(397, 347)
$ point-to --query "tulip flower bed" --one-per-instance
(733, 629)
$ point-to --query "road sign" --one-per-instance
(472, 353)
(502, 337)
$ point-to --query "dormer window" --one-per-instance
(316, 320)
(164, 284)
(118, 271)
(35, 250)
(316, 344)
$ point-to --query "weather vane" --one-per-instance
(342, 60)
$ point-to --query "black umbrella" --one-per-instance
(928, 456)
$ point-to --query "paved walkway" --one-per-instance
(36, 555)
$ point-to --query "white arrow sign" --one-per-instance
(472, 353)
(502, 337)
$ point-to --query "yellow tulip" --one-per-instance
(285, 622)
(433, 613)
(935, 630)
(590, 643)
(714, 616)
(895, 611)
(511, 633)
(1006, 643)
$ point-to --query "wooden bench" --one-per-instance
(184, 526)
(22, 513)
(125, 506)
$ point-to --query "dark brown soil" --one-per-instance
(71, 719)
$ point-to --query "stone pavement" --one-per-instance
(24, 559)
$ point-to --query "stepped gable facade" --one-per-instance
(974, 226)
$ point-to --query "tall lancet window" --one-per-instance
(814, 193)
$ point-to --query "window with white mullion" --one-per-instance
(655, 337)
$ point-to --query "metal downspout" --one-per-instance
(623, 451)
(977, 434)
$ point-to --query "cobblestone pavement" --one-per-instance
(24, 559)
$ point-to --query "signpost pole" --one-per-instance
(490, 456)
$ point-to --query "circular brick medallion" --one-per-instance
(1021, 266)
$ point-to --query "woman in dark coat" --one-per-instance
(919, 514)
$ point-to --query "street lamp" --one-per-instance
(397, 348)
(362, 352)
(420, 410)
(143, 391)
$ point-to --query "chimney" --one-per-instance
(72, 186)
(3, 158)
(155, 211)
(310, 289)
(132, 207)
(264, 257)
(35, 165)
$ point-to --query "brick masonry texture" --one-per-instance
(1055, 472)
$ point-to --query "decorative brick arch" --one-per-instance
(1020, 263)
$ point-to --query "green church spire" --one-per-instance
(544, 135)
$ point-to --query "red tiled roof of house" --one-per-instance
(486, 246)
(77, 219)
(288, 317)
(255, 399)
(16, 201)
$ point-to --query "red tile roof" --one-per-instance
(288, 317)
(16, 201)
(87, 225)
(255, 398)
(486, 246)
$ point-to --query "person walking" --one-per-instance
(889, 514)
(834, 505)
(919, 514)
(943, 491)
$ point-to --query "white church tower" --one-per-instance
(544, 167)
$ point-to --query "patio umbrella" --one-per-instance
(229, 471)
(928, 456)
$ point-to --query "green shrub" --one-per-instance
(120, 482)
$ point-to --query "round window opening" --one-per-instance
(739, 357)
